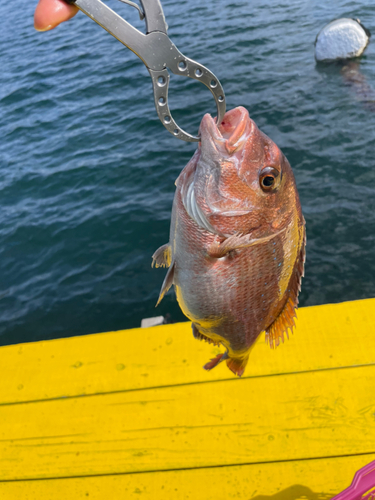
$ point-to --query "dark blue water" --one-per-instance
(87, 171)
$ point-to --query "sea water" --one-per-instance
(87, 170)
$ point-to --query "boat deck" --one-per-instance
(132, 414)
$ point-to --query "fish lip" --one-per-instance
(228, 136)
(209, 132)
(220, 143)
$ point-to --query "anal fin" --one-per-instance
(199, 336)
(167, 283)
(162, 257)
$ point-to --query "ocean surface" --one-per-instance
(87, 170)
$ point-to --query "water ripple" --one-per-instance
(87, 171)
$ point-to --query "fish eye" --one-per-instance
(267, 181)
(269, 178)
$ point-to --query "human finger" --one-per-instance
(50, 13)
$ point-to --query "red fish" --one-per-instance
(237, 241)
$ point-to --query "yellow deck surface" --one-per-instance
(132, 414)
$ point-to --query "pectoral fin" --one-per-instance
(167, 283)
(236, 242)
(215, 361)
(162, 257)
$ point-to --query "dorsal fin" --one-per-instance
(285, 320)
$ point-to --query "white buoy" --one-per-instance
(341, 39)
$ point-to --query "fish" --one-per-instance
(236, 251)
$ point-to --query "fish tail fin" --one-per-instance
(162, 257)
(215, 361)
(237, 365)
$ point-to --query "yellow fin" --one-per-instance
(285, 320)
(199, 336)
(162, 257)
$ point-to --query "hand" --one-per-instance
(50, 13)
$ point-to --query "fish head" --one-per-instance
(238, 181)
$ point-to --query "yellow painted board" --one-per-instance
(296, 480)
(265, 419)
(326, 336)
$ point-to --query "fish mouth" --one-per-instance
(230, 135)
(221, 149)
(207, 191)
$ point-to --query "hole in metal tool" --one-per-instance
(220, 98)
(213, 84)
(167, 119)
(161, 81)
(179, 101)
(198, 72)
(161, 101)
(182, 65)
(176, 131)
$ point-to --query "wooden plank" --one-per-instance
(310, 479)
(286, 417)
(327, 336)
